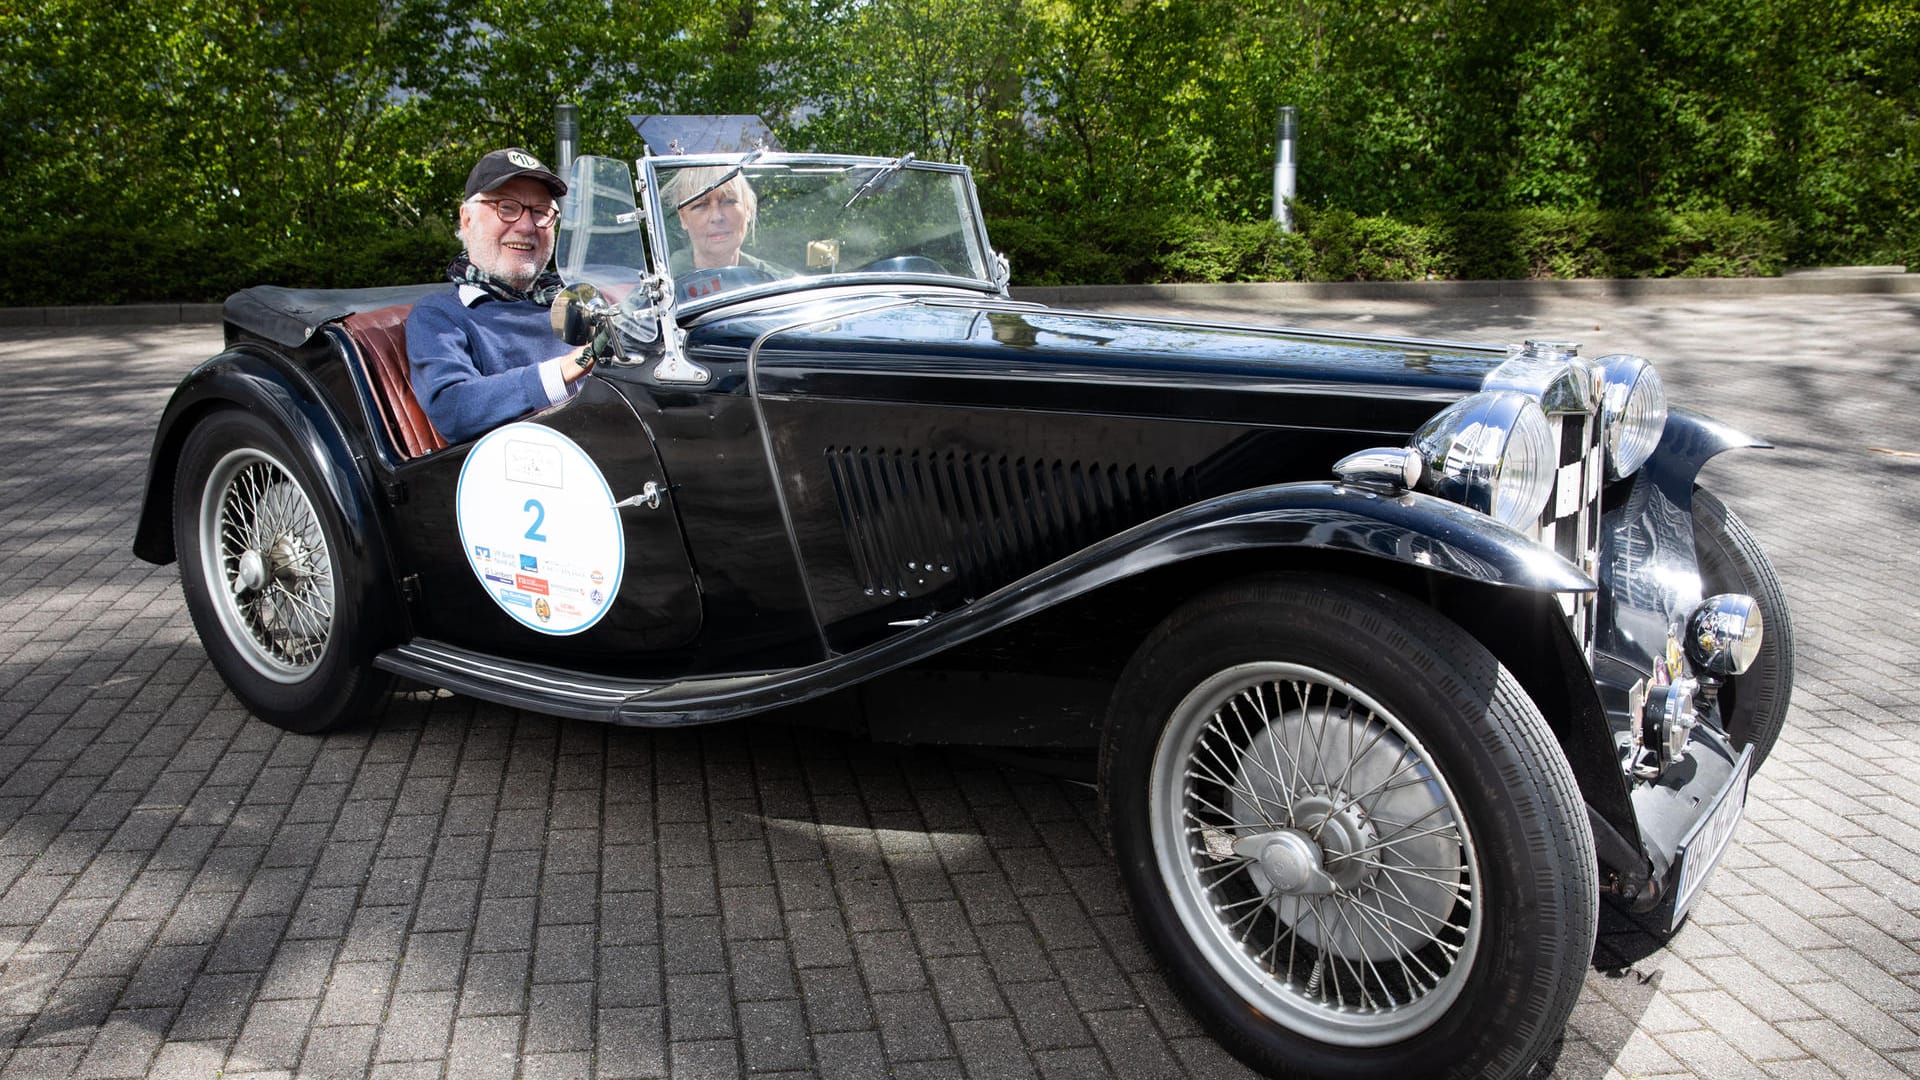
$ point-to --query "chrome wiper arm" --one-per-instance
(880, 174)
(752, 156)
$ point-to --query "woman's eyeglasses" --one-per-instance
(544, 215)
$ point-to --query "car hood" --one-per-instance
(970, 351)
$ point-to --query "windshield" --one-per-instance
(736, 222)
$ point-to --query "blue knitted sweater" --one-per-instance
(477, 365)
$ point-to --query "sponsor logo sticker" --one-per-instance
(530, 584)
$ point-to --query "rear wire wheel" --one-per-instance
(262, 568)
(1349, 834)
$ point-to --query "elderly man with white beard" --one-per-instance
(484, 352)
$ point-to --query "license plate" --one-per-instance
(1700, 852)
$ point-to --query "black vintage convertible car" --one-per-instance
(1395, 655)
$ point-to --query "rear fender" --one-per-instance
(273, 389)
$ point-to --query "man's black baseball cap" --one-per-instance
(501, 166)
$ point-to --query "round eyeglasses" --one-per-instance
(544, 214)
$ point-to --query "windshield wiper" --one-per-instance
(880, 174)
(752, 156)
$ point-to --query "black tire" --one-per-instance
(262, 566)
(1753, 704)
(1455, 919)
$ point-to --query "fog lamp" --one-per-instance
(1724, 633)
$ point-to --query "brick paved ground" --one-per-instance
(459, 890)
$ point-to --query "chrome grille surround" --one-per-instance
(1569, 389)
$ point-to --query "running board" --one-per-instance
(606, 698)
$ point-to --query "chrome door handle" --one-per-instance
(649, 497)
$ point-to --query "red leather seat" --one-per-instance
(380, 337)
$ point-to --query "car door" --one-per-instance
(553, 539)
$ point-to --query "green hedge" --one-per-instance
(90, 264)
(94, 265)
(1339, 246)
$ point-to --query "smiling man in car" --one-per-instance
(484, 352)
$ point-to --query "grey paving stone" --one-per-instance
(484, 1047)
(299, 969)
(560, 1017)
(416, 1027)
(699, 1007)
(631, 1043)
(849, 1055)
(774, 1036)
(124, 1045)
(630, 976)
(214, 1008)
(274, 1033)
(965, 988)
(356, 994)
(911, 1027)
(694, 944)
(992, 1048)
(504, 925)
(495, 983)
(432, 961)
(183, 1060)
(763, 970)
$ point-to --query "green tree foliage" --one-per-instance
(292, 129)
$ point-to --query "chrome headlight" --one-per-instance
(1493, 452)
(1633, 408)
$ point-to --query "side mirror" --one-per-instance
(578, 313)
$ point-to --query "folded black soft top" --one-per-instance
(291, 316)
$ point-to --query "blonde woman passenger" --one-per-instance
(718, 222)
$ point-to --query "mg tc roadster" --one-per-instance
(1393, 656)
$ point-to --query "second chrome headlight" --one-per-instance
(1493, 452)
(1633, 406)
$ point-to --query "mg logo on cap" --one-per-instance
(525, 161)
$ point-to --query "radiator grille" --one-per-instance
(916, 521)
(1570, 524)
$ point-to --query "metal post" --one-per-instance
(566, 131)
(1285, 127)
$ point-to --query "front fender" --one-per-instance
(269, 387)
(1690, 440)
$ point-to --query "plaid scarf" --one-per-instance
(545, 287)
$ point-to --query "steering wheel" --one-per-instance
(905, 264)
(703, 283)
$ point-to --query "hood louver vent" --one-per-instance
(918, 521)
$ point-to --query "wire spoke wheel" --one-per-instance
(1316, 853)
(292, 607)
(1348, 834)
(267, 564)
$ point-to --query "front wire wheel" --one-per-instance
(1326, 865)
(1348, 834)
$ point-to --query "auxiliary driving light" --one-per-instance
(1723, 634)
